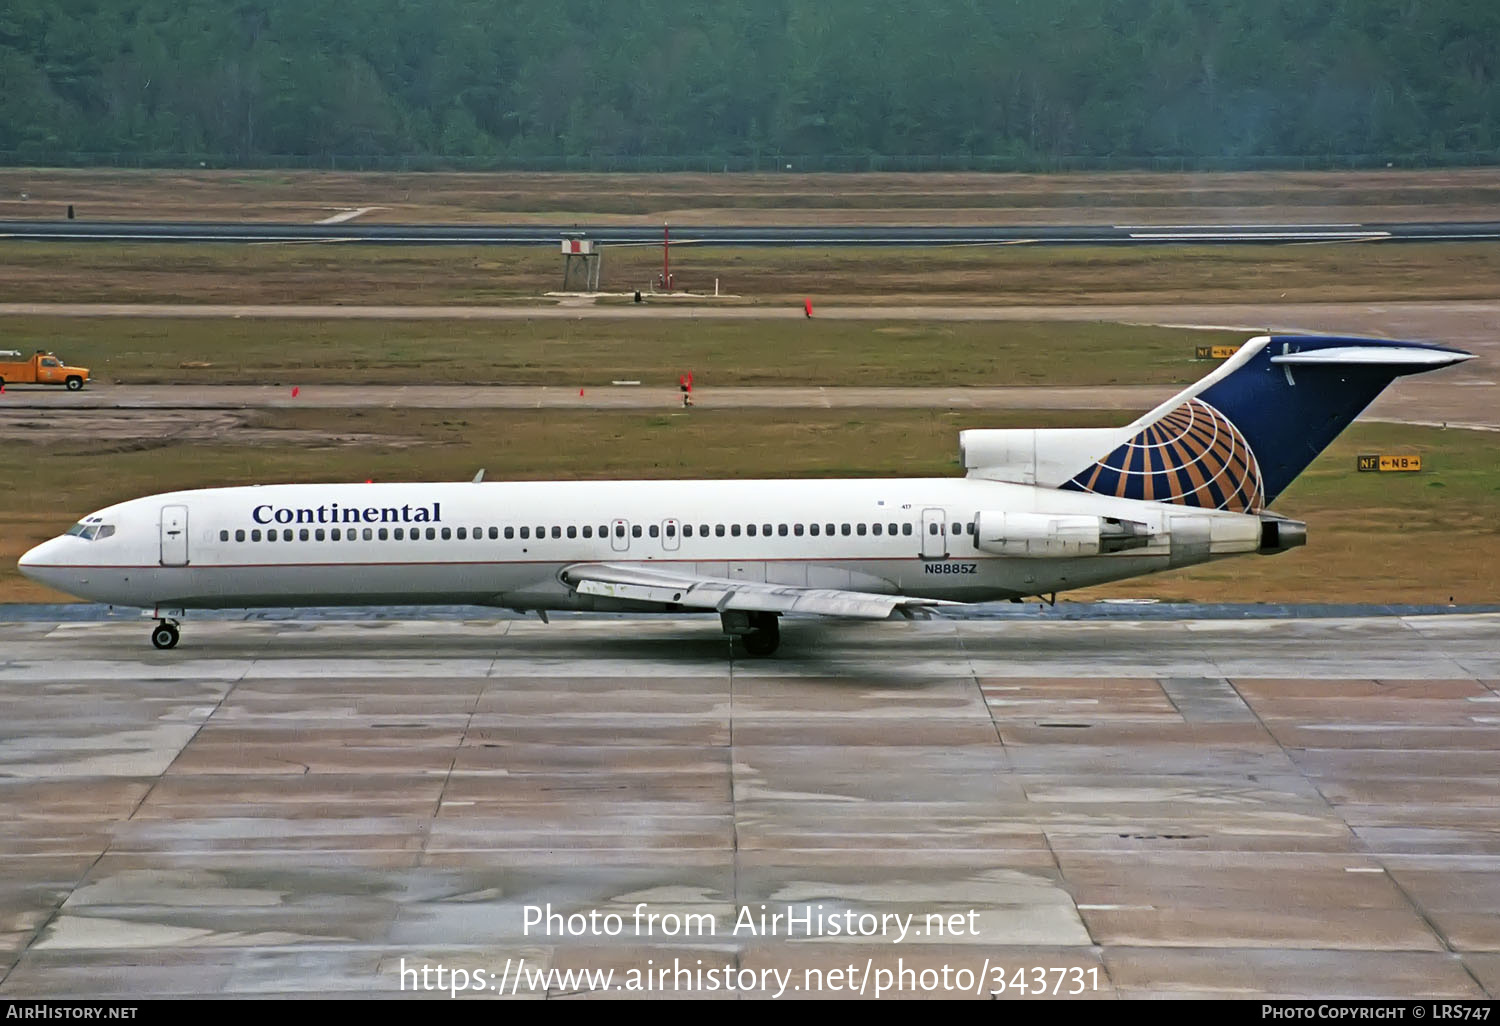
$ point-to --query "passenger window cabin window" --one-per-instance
(813, 529)
(302, 534)
(318, 535)
(654, 531)
(494, 534)
(525, 533)
(932, 528)
(860, 529)
(671, 530)
(271, 536)
(447, 533)
(286, 535)
(431, 533)
(876, 528)
(463, 534)
(781, 530)
(687, 530)
(893, 530)
(557, 532)
(255, 536)
(765, 529)
(734, 530)
(702, 530)
(369, 534)
(572, 531)
(797, 530)
(336, 534)
(604, 530)
(972, 528)
(510, 532)
(619, 530)
(384, 534)
(588, 530)
(906, 530)
(846, 530)
(750, 530)
(398, 533)
(223, 536)
(828, 529)
(718, 530)
(635, 530)
(957, 527)
(239, 536)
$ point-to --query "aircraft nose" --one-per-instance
(35, 558)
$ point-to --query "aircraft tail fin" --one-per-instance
(1233, 440)
(1236, 439)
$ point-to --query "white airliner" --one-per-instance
(1039, 512)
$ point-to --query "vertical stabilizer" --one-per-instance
(1237, 438)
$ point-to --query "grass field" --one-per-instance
(35, 272)
(707, 198)
(597, 351)
(1424, 537)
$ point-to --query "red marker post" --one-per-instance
(296, 391)
(807, 306)
(685, 382)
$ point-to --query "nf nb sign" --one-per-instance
(1381, 462)
(1214, 352)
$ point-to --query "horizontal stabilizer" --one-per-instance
(1376, 356)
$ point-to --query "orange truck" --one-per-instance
(42, 368)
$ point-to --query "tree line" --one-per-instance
(518, 79)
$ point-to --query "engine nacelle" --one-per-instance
(1049, 535)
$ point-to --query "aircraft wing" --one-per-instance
(692, 591)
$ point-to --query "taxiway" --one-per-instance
(1190, 807)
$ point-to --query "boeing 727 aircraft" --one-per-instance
(1039, 512)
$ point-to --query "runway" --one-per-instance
(759, 235)
(1171, 807)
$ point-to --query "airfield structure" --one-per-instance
(581, 259)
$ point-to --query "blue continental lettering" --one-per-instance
(332, 514)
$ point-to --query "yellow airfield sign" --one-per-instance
(1385, 462)
(1215, 352)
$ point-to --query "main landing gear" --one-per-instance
(760, 632)
(165, 634)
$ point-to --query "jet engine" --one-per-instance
(1045, 535)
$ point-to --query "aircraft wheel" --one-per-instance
(164, 635)
(763, 641)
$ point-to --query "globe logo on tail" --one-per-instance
(1194, 456)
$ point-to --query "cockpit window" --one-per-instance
(105, 530)
(89, 532)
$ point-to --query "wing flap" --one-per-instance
(692, 591)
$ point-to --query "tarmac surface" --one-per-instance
(1171, 807)
(338, 230)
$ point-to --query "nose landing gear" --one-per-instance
(165, 634)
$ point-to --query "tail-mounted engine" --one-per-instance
(1042, 535)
